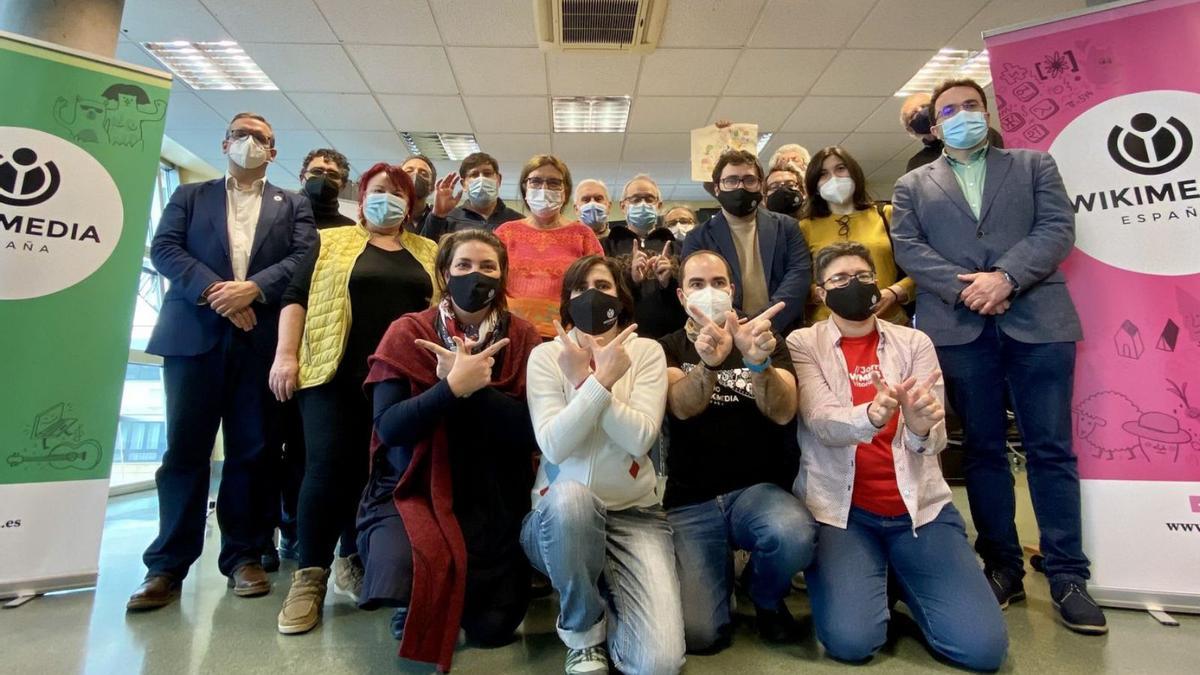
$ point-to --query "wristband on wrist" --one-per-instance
(757, 367)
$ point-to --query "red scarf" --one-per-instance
(424, 494)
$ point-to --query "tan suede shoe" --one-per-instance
(302, 608)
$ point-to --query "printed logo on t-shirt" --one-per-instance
(732, 385)
(860, 377)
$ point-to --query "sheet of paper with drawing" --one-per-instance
(709, 142)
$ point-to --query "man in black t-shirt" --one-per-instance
(731, 403)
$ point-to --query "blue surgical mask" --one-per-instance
(593, 214)
(642, 216)
(482, 190)
(965, 130)
(384, 210)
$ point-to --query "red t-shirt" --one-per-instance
(875, 488)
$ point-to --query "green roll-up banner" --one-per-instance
(79, 151)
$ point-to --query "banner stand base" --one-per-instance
(20, 600)
(1150, 601)
(19, 593)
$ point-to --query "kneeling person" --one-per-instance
(870, 401)
(732, 396)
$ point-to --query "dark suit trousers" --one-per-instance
(1038, 379)
(227, 384)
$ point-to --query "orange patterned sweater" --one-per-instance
(537, 261)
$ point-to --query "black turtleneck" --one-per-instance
(326, 215)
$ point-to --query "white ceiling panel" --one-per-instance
(663, 173)
(790, 24)
(591, 147)
(914, 24)
(871, 147)
(272, 105)
(385, 145)
(426, 113)
(498, 71)
(777, 72)
(404, 70)
(514, 147)
(606, 172)
(131, 53)
(592, 74)
(166, 20)
(283, 176)
(656, 147)
(384, 22)
(509, 114)
(1001, 13)
(831, 113)
(693, 192)
(272, 20)
(669, 113)
(713, 23)
(295, 144)
(485, 23)
(885, 118)
(342, 111)
(891, 170)
(765, 111)
(686, 72)
(185, 111)
(869, 72)
(202, 143)
(307, 67)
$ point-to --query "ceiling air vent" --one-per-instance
(604, 25)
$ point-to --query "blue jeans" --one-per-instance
(609, 566)
(938, 577)
(1038, 379)
(764, 519)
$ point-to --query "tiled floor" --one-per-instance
(211, 631)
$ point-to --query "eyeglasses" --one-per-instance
(547, 183)
(679, 221)
(331, 174)
(734, 182)
(954, 108)
(642, 198)
(239, 134)
(843, 280)
(781, 185)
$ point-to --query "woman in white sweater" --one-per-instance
(597, 395)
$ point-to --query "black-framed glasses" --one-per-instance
(843, 280)
(954, 108)
(781, 185)
(538, 183)
(239, 134)
(319, 172)
(843, 226)
(735, 182)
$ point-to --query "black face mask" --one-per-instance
(472, 292)
(594, 312)
(320, 189)
(422, 186)
(785, 200)
(920, 122)
(740, 202)
(854, 302)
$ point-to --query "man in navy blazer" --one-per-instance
(983, 230)
(229, 247)
(770, 259)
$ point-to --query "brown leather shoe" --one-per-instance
(155, 592)
(249, 581)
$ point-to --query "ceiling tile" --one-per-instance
(693, 192)
(283, 176)
(914, 24)
(426, 113)
(656, 147)
(385, 145)
(714, 23)
(831, 113)
(605, 172)
(1001, 13)
(891, 170)
(869, 72)
(808, 23)
(278, 20)
(685, 72)
(404, 70)
(812, 141)
(663, 173)
(167, 20)
(185, 111)
(307, 67)
(767, 112)
(871, 147)
(366, 21)
(202, 143)
(509, 114)
(295, 144)
(881, 190)
(592, 74)
(131, 53)
(272, 105)
(514, 147)
(486, 23)
(593, 147)
(669, 113)
(342, 111)
(498, 71)
(885, 118)
(779, 72)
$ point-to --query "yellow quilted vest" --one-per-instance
(327, 321)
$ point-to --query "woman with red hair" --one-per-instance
(340, 303)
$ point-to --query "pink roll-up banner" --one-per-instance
(1113, 94)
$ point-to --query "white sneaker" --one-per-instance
(348, 576)
(588, 660)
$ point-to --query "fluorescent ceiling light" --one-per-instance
(763, 139)
(597, 114)
(438, 145)
(458, 146)
(211, 65)
(949, 64)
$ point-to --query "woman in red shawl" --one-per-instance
(450, 471)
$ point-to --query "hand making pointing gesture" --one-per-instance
(922, 409)
(467, 372)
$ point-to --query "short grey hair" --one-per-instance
(648, 179)
(785, 149)
(596, 181)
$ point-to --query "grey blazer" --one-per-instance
(1026, 227)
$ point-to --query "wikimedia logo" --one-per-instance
(1149, 146)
